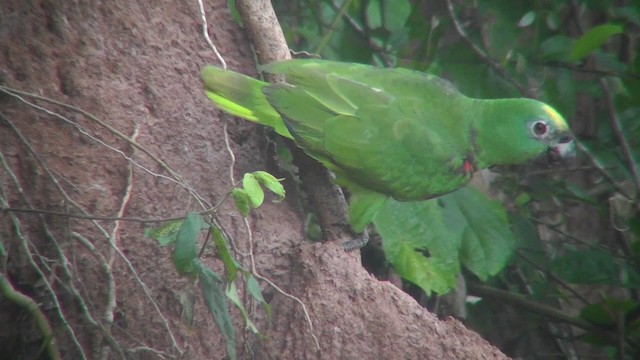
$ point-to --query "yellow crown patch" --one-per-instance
(556, 118)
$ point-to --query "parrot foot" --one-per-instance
(357, 243)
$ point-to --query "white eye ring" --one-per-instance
(540, 129)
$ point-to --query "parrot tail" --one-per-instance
(241, 96)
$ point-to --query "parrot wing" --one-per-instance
(390, 134)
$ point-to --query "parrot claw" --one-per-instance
(359, 242)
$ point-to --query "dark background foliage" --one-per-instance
(574, 269)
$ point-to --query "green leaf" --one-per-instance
(396, 14)
(253, 190)
(556, 48)
(225, 255)
(488, 241)
(232, 294)
(270, 182)
(374, 14)
(409, 230)
(216, 301)
(463, 226)
(184, 252)
(527, 19)
(593, 39)
(241, 199)
(254, 289)
(553, 21)
(433, 273)
(165, 234)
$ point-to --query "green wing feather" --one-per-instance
(384, 129)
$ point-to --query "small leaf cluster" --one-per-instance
(251, 195)
(217, 290)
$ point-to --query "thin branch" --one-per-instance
(24, 243)
(554, 227)
(100, 228)
(16, 93)
(332, 28)
(603, 170)
(84, 216)
(125, 200)
(205, 33)
(110, 291)
(521, 301)
(68, 282)
(377, 49)
(614, 120)
(482, 54)
(622, 139)
(31, 307)
(255, 273)
(232, 156)
(553, 277)
(271, 46)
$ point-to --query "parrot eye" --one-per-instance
(539, 128)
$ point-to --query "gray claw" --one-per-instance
(358, 242)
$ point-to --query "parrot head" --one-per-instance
(513, 131)
(560, 141)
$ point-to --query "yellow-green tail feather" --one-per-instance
(241, 96)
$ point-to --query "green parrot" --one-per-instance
(392, 133)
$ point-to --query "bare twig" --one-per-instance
(332, 28)
(377, 49)
(24, 243)
(125, 201)
(86, 216)
(521, 301)
(176, 177)
(615, 123)
(254, 271)
(603, 170)
(11, 294)
(614, 120)
(268, 16)
(553, 277)
(232, 156)
(110, 291)
(482, 54)
(70, 201)
(205, 33)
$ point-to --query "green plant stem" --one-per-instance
(10, 293)
(332, 27)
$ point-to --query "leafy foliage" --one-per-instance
(576, 229)
(183, 235)
(462, 227)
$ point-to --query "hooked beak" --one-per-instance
(563, 149)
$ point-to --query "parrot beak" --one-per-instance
(562, 150)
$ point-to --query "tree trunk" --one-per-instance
(107, 291)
